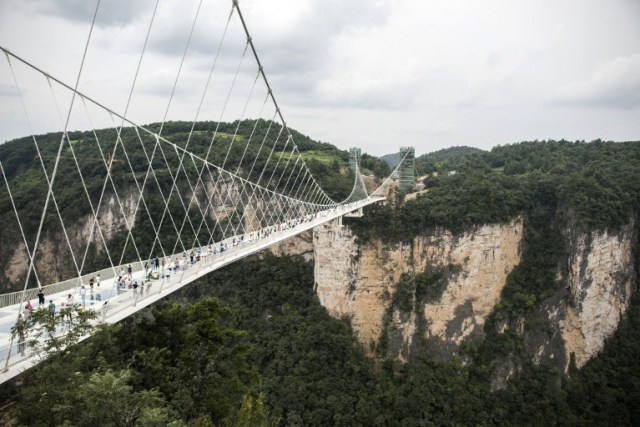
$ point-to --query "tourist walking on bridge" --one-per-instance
(21, 329)
(83, 295)
(69, 307)
(98, 295)
(41, 300)
(28, 308)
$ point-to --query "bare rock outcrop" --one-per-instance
(53, 260)
(600, 283)
(360, 281)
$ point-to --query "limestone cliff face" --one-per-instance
(302, 245)
(485, 257)
(18, 263)
(360, 281)
(600, 281)
(354, 281)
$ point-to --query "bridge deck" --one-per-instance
(114, 304)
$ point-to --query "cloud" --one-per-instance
(615, 84)
(297, 40)
(427, 73)
(110, 13)
(7, 90)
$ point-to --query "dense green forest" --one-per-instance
(434, 161)
(267, 353)
(596, 184)
(242, 147)
(250, 345)
(443, 160)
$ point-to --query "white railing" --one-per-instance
(14, 298)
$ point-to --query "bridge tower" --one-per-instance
(355, 154)
(407, 169)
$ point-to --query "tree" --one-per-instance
(108, 399)
(189, 355)
(50, 333)
(252, 413)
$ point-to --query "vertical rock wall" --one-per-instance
(360, 281)
(601, 277)
(50, 265)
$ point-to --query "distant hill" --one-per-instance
(451, 153)
(426, 162)
(445, 159)
(391, 159)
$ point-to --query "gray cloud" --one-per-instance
(7, 90)
(110, 13)
(616, 84)
(371, 72)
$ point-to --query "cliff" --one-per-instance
(600, 282)
(438, 291)
(361, 282)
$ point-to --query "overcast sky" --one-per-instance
(377, 74)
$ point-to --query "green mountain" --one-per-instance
(266, 352)
(243, 147)
(444, 160)
(436, 160)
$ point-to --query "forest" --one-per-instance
(258, 349)
(250, 345)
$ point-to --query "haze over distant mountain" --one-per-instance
(440, 155)
(391, 159)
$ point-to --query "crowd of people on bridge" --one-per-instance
(159, 268)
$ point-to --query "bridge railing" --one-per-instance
(106, 274)
(17, 352)
(14, 298)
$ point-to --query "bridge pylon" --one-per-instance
(355, 154)
(406, 172)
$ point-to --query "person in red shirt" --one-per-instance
(29, 307)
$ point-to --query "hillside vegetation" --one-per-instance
(295, 365)
(243, 147)
(250, 345)
(597, 184)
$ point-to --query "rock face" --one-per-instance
(485, 257)
(302, 245)
(354, 281)
(18, 263)
(360, 282)
(600, 281)
(50, 266)
(365, 282)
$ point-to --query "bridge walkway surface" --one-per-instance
(113, 303)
